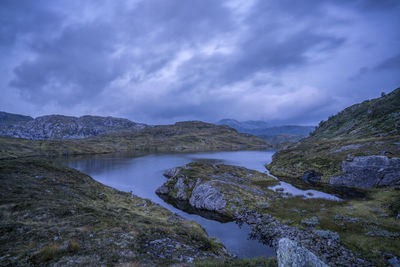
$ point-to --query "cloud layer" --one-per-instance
(160, 61)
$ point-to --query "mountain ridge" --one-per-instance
(63, 127)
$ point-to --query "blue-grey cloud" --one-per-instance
(161, 61)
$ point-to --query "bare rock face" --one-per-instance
(289, 253)
(171, 172)
(64, 127)
(205, 196)
(369, 172)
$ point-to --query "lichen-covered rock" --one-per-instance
(289, 253)
(369, 172)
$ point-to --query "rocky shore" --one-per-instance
(308, 232)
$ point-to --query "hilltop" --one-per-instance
(378, 117)
(358, 147)
(63, 127)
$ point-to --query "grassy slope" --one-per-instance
(183, 136)
(351, 219)
(368, 128)
(51, 214)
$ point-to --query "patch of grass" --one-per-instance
(50, 252)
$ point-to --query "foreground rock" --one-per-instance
(289, 253)
(51, 215)
(369, 172)
(337, 233)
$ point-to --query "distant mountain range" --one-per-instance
(272, 134)
(63, 127)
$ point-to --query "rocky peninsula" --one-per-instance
(311, 232)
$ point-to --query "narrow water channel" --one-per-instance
(143, 174)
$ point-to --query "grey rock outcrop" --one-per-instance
(369, 172)
(289, 253)
(171, 172)
(205, 196)
(63, 127)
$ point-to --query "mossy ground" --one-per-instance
(52, 214)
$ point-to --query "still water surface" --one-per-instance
(144, 174)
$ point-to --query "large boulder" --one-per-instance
(208, 197)
(369, 172)
(290, 254)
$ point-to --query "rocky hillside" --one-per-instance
(182, 136)
(358, 147)
(378, 117)
(63, 127)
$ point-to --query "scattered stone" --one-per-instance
(344, 218)
(382, 233)
(311, 222)
(327, 234)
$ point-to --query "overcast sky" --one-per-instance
(160, 61)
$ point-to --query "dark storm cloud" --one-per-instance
(24, 19)
(160, 61)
